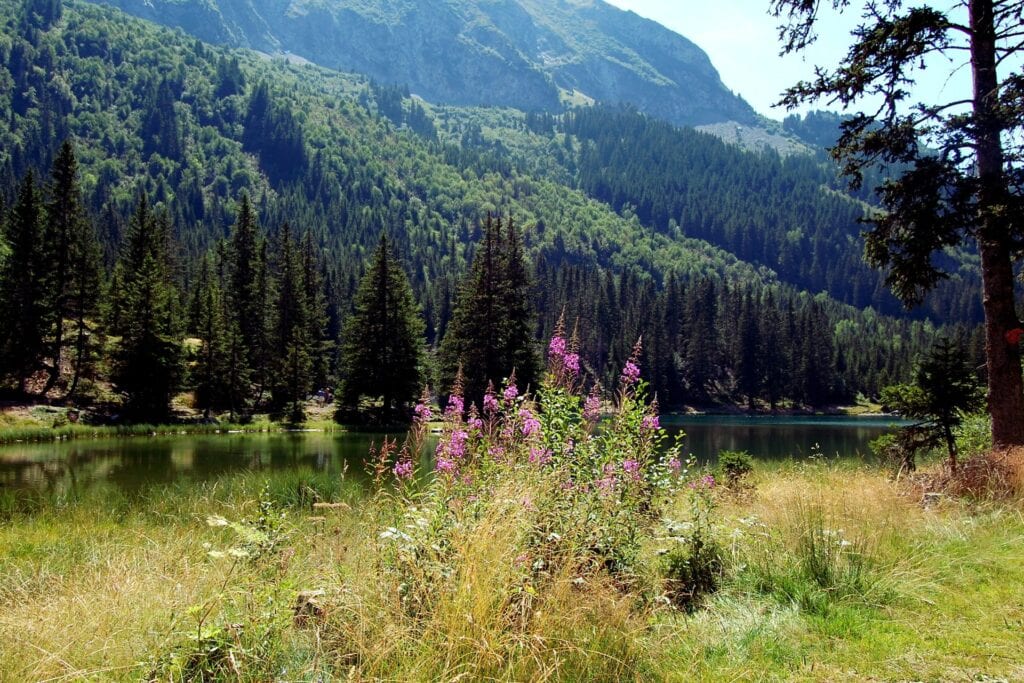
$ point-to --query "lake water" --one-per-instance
(140, 462)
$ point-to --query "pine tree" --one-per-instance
(247, 294)
(315, 293)
(382, 341)
(491, 331)
(23, 289)
(212, 373)
(73, 253)
(293, 364)
(958, 155)
(148, 363)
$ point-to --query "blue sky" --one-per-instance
(742, 41)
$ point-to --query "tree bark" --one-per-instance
(1005, 386)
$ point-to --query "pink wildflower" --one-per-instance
(490, 403)
(403, 469)
(592, 407)
(651, 423)
(630, 373)
(511, 392)
(572, 363)
(423, 412)
(455, 405)
(531, 425)
(556, 349)
(674, 464)
(540, 456)
(632, 468)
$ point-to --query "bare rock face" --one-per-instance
(521, 53)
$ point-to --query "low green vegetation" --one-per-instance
(537, 548)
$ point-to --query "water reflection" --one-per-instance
(135, 464)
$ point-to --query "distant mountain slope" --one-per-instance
(528, 54)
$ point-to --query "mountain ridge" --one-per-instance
(521, 53)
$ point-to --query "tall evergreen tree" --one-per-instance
(148, 363)
(382, 341)
(315, 293)
(247, 293)
(960, 154)
(212, 373)
(23, 289)
(74, 263)
(293, 360)
(491, 331)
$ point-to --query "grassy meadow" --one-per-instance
(831, 572)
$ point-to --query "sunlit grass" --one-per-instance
(109, 586)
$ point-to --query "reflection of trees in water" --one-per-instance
(778, 441)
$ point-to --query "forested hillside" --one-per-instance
(527, 54)
(192, 128)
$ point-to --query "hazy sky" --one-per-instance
(742, 41)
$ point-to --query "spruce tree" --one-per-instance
(382, 341)
(293, 364)
(212, 373)
(315, 294)
(148, 363)
(247, 294)
(959, 178)
(491, 331)
(23, 289)
(75, 264)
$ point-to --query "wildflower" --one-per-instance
(511, 392)
(476, 423)
(556, 348)
(572, 363)
(403, 469)
(592, 406)
(455, 405)
(531, 425)
(632, 468)
(607, 483)
(674, 464)
(490, 402)
(446, 466)
(423, 412)
(630, 373)
(631, 370)
(540, 456)
(650, 423)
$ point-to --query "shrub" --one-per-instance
(734, 467)
(693, 566)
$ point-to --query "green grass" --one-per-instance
(111, 586)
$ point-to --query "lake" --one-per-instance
(136, 463)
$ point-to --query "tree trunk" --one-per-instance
(1005, 386)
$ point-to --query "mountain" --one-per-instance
(631, 226)
(527, 54)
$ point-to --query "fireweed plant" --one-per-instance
(577, 495)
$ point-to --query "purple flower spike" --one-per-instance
(511, 392)
(403, 469)
(630, 373)
(556, 349)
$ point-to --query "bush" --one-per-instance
(693, 567)
(734, 467)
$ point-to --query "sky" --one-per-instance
(742, 41)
